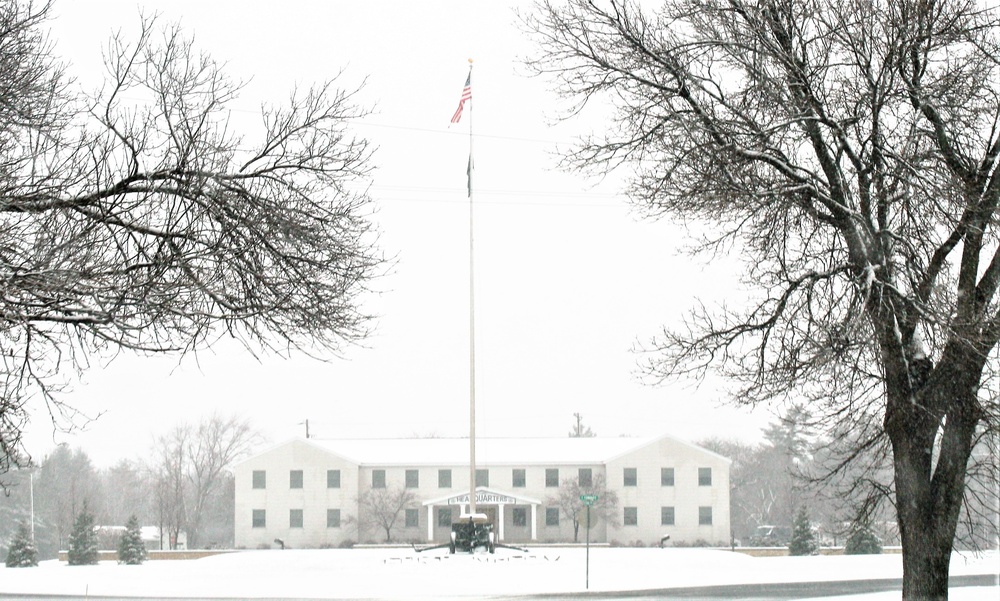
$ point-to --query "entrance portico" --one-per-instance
(490, 501)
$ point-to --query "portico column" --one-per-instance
(430, 523)
(500, 518)
(534, 521)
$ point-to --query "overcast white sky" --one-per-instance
(567, 278)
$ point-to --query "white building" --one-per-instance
(306, 492)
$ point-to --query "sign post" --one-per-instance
(588, 500)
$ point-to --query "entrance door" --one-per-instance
(491, 515)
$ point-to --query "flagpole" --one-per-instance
(472, 328)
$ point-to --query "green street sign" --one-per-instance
(588, 499)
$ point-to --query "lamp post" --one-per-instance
(31, 496)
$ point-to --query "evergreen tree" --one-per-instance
(803, 539)
(22, 552)
(83, 540)
(131, 549)
(862, 541)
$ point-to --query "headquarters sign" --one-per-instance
(483, 498)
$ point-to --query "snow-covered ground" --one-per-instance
(404, 574)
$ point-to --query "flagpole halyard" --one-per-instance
(467, 95)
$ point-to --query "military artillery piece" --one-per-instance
(472, 533)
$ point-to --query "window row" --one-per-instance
(295, 518)
(519, 517)
(630, 516)
(585, 476)
(295, 479)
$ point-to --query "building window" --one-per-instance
(412, 479)
(551, 516)
(295, 479)
(666, 516)
(551, 477)
(378, 478)
(294, 518)
(704, 516)
(631, 479)
(333, 518)
(631, 516)
(666, 476)
(519, 516)
(482, 477)
(518, 479)
(412, 518)
(444, 480)
(586, 477)
(259, 479)
(704, 476)
(333, 478)
(259, 518)
(444, 517)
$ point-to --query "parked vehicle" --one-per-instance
(771, 536)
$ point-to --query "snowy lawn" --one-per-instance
(404, 574)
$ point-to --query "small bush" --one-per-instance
(693, 543)
(346, 544)
(862, 541)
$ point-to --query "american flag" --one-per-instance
(466, 95)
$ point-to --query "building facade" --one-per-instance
(310, 493)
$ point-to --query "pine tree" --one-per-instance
(803, 539)
(862, 541)
(83, 540)
(131, 549)
(22, 552)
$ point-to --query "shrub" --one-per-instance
(700, 542)
(862, 541)
(22, 553)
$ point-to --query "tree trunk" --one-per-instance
(930, 472)
(926, 545)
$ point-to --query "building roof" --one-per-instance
(489, 451)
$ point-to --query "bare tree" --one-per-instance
(32, 87)
(66, 480)
(168, 473)
(382, 507)
(139, 219)
(848, 150)
(573, 508)
(126, 494)
(192, 464)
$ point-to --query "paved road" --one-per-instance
(741, 592)
(768, 592)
